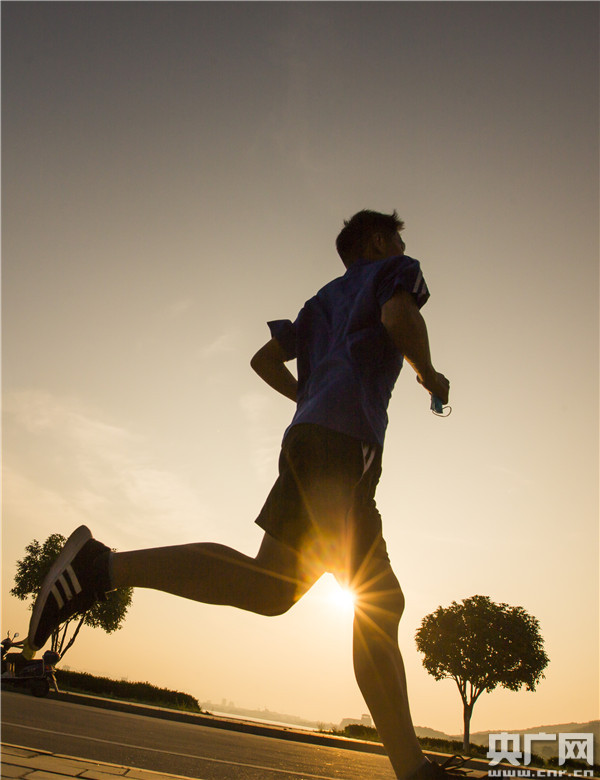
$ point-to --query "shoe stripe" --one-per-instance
(68, 592)
(74, 581)
(65, 587)
(59, 599)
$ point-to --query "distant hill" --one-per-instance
(423, 731)
(544, 749)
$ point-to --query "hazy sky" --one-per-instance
(175, 175)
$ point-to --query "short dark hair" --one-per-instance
(353, 241)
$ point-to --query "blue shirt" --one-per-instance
(347, 364)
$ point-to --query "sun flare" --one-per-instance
(343, 598)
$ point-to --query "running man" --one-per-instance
(349, 342)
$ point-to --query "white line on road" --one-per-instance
(301, 775)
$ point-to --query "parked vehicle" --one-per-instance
(37, 674)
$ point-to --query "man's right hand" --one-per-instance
(436, 384)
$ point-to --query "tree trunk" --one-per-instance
(72, 639)
(467, 712)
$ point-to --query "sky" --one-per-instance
(173, 176)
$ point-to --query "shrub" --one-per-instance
(122, 689)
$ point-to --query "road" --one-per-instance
(177, 748)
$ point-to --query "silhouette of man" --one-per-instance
(349, 341)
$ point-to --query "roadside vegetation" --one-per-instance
(137, 692)
(368, 733)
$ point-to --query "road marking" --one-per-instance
(301, 775)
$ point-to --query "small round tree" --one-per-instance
(482, 645)
(32, 569)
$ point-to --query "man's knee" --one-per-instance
(282, 584)
(380, 599)
(387, 605)
(279, 599)
(393, 602)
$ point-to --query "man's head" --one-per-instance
(370, 235)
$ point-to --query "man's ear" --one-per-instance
(377, 245)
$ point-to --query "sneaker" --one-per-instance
(71, 587)
(452, 767)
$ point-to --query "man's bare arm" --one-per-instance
(269, 364)
(406, 327)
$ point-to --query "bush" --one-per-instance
(574, 764)
(438, 745)
(358, 731)
(142, 692)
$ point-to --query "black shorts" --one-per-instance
(323, 502)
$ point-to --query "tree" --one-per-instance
(480, 645)
(32, 569)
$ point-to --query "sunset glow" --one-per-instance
(174, 176)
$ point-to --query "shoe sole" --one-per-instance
(72, 546)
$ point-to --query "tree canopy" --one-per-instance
(31, 570)
(482, 645)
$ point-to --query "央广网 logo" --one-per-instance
(506, 747)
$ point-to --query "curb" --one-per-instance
(477, 766)
(203, 719)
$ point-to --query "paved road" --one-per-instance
(176, 748)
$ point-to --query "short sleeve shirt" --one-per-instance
(347, 364)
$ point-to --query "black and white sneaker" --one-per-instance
(72, 586)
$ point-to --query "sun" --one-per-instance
(343, 599)
(335, 597)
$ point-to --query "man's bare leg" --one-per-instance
(268, 584)
(379, 667)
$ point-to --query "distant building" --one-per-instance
(364, 721)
